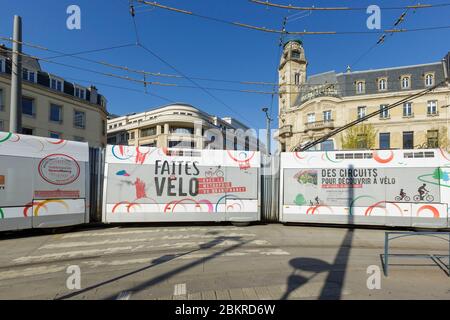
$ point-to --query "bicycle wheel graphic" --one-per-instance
(429, 198)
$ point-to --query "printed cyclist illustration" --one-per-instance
(424, 194)
(402, 196)
(214, 173)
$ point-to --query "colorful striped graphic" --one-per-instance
(172, 205)
(378, 205)
(433, 210)
(312, 210)
(42, 204)
(378, 159)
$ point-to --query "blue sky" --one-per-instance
(207, 49)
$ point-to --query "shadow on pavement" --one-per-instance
(159, 261)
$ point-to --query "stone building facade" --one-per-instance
(310, 107)
(52, 106)
(180, 126)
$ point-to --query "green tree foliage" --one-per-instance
(361, 136)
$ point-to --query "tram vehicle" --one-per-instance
(43, 182)
(407, 188)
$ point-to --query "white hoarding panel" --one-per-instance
(374, 187)
(152, 184)
(41, 177)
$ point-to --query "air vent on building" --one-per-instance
(342, 156)
(426, 154)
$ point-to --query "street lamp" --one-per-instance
(268, 119)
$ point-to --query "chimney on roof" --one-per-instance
(94, 94)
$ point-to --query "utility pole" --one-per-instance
(265, 110)
(15, 110)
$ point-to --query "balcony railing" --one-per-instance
(319, 125)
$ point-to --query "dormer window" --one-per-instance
(29, 75)
(80, 92)
(406, 82)
(360, 87)
(56, 84)
(429, 79)
(382, 84)
(2, 65)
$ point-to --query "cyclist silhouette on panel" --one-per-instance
(402, 196)
(422, 191)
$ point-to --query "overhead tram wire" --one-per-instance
(264, 29)
(310, 86)
(125, 78)
(382, 39)
(134, 80)
(122, 88)
(205, 90)
(124, 68)
(313, 8)
(127, 69)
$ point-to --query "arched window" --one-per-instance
(382, 84)
(405, 82)
(429, 80)
(360, 87)
(297, 78)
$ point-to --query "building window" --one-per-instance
(2, 105)
(406, 82)
(80, 93)
(2, 65)
(147, 132)
(432, 107)
(311, 117)
(297, 78)
(408, 140)
(2, 125)
(78, 139)
(384, 111)
(111, 140)
(28, 107)
(29, 75)
(382, 84)
(104, 127)
(182, 144)
(385, 140)
(28, 131)
(327, 145)
(79, 119)
(407, 109)
(429, 80)
(433, 139)
(180, 130)
(56, 84)
(54, 135)
(55, 113)
(361, 112)
(327, 116)
(360, 87)
(132, 135)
